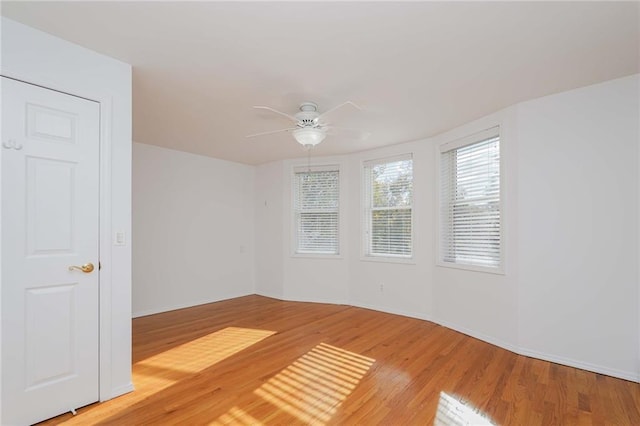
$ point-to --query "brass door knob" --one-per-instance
(86, 268)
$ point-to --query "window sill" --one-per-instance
(389, 259)
(472, 268)
(316, 256)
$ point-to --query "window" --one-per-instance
(388, 207)
(315, 204)
(470, 202)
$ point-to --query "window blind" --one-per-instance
(315, 199)
(388, 207)
(470, 204)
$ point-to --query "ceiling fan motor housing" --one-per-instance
(308, 115)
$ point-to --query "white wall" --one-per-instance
(269, 235)
(193, 224)
(578, 227)
(571, 185)
(39, 58)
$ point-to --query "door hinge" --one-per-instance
(99, 265)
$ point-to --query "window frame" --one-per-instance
(458, 143)
(294, 212)
(366, 210)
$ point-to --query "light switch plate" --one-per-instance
(119, 238)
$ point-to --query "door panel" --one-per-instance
(50, 171)
(50, 125)
(50, 360)
(50, 205)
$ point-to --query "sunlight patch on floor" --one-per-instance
(237, 416)
(313, 387)
(168, 367)
(454, 412)
(201, 353)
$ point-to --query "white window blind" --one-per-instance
(388, 207)
(470, 202)
(315, 203)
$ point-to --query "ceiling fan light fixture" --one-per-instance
(309, 136)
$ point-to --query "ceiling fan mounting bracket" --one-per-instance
(309, 107)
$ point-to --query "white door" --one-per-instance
(50, 172)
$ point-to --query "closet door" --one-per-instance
(50, 228)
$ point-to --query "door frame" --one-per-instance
(105, 103)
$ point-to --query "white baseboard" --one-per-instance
(401, 312)
(626, 375)
(480, 336)
(278, 296)
(120, 390)
(324, 301)
(161, 309)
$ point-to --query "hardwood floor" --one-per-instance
(255, 360)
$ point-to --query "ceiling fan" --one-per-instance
(310, 125)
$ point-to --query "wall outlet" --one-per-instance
(381, 288)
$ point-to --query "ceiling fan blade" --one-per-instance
(284, 114)
(337, 107)
(270, 132)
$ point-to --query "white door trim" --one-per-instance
(105, 250)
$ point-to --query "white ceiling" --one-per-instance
(417, 68)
